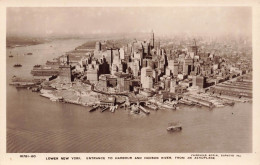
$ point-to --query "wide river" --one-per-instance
(35, 124)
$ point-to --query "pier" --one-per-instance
(200, 101)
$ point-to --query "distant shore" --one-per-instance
(12, 42)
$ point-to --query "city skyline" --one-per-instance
(84, 21)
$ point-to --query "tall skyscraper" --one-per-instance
(152, 39)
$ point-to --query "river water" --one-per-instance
(35, 124)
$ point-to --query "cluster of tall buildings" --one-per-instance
(147, 64)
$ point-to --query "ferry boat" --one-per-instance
(174, 126)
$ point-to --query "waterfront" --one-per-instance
(34, 124)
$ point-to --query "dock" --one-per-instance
(198, 100)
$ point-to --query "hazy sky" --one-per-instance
(163, 20)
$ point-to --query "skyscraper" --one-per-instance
(152, 39)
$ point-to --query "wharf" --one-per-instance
(232, 98)
(236, 87)
(196, 100)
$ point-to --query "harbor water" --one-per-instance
(36, 124)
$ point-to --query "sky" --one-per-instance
(44, 21)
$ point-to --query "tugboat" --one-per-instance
(174, 126)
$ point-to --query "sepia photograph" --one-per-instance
(172, 79)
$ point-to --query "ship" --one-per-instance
(95, 107)
(37, 66)
(17, 65)
(23, 84)
(174, 126)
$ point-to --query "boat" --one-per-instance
(95, 107)
(144, 110)
(167, 106)
(113, 109)
(171, 104)
(37, 66)
(17, 65)
(105, 108)
(229, 103)
(24, 84)
(186, 102)
(35, 89)
(174, 126)
(151, 106)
